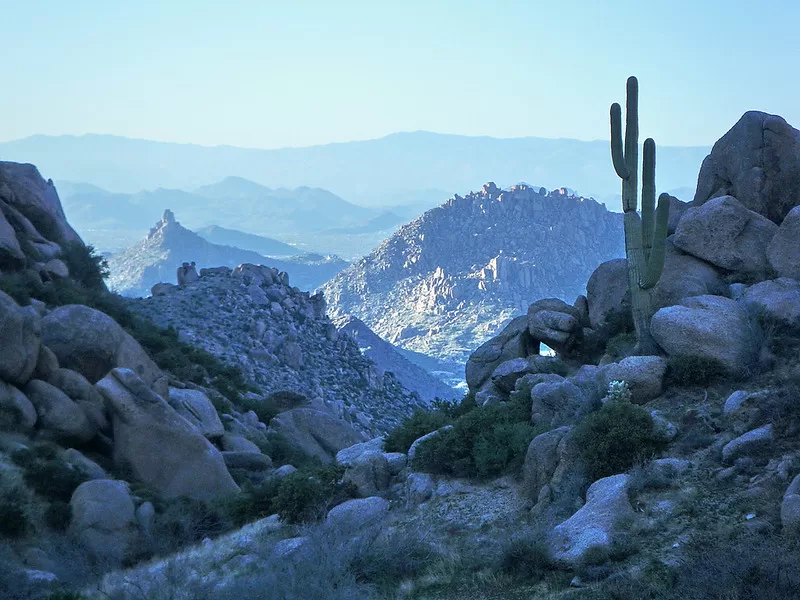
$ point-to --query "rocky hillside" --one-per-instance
(157, 258)
(386, 357)
(283, 340)
(446, 282)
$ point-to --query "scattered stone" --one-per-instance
(419, 488)
(358, 513)
(749, 443)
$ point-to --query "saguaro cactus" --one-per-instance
(644, 236)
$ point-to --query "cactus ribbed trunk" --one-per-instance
(645, 236)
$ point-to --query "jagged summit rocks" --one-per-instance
(168, 245)
(448, 281)
(284, 342)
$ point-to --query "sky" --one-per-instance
(270, 74)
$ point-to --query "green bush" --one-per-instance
(85, 267)
(309, 494)
(526, 557)
(486, 441)
(687, 371)
(51, 478)
(615, 438)
(414, 427)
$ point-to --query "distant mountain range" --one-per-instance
(448, 281)
(157, 258)
(419, 168)
(246, 241)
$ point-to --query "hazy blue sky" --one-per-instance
(267, 73)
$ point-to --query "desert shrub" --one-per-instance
(51, 478)
(420, 423)
(185, 521)
(282, 452)
(486, 441)
(309, 493)
(621, 344)
(687, 371)
(85, 266)
(526, 556)
(388, 559)
(265, 409)
(615, 438)
(57, 516)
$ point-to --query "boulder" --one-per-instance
(553, 473)
(677, 209)
(758, 162)
(103, 518)
(87, 466)
(790, 507)
(84, 394)
(22, 187)
(11, 255)
(197, 409)
(20, 329)
(783, 251)
(397, 461)
(369, 472)
(60, 419)
(16, 411)
(711, 327)
(685, 276)
(248, 461)
(512, 342)
(55, 269)
(557, 403)
(749, 443)
(46, 364)
(724, 233)
(541, 460)
(419, 488)
(412, 451)
(643, 374)
(594, 525)
(505, 376)
(315, 433)
(608, 293)
(163, 289)
(358, 513)
(556, 324)
(237, 443)
(777, 300)
(161, 447)
(347, 456)
(92, 343)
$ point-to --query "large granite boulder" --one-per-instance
(790, 508)
(556, 324)
(103, 518)
(16, 411)
(315, 433)
(594, 525)
(11, 255)
(20, 329)
(513, 342)
(84, 394)
(711, 327)
(369, 472)
(685, 276)
(197, 409)
(161, 447)
(608, 293)
(643, 374)
(23, 188)
(758, 162)
(356, 513)
(558, 402)
(784, 249)
(723, 232)
(59, 418)
(777, 300)
(92, 343)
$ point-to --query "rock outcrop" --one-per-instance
(445, 283)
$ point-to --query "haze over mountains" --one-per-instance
(417, 168)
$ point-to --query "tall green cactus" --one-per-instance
(645, 236)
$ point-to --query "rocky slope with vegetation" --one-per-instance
(168, 244)
(445, 283)
(593, 474)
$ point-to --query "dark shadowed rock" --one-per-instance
(315, 433)
(711, 327)
(556, 324)
(607, 292)
(757, 162)
(723, 232)
(11, 255)
(784, 249)
(16, 411)
(60, 419)
(162, 448)
(512, 342)
(685, 276)
(20, 329)
(776, 300)
(78, 388)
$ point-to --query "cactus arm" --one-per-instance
(655, 265)
(617, 154)
(630, 186)
(648, 195)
